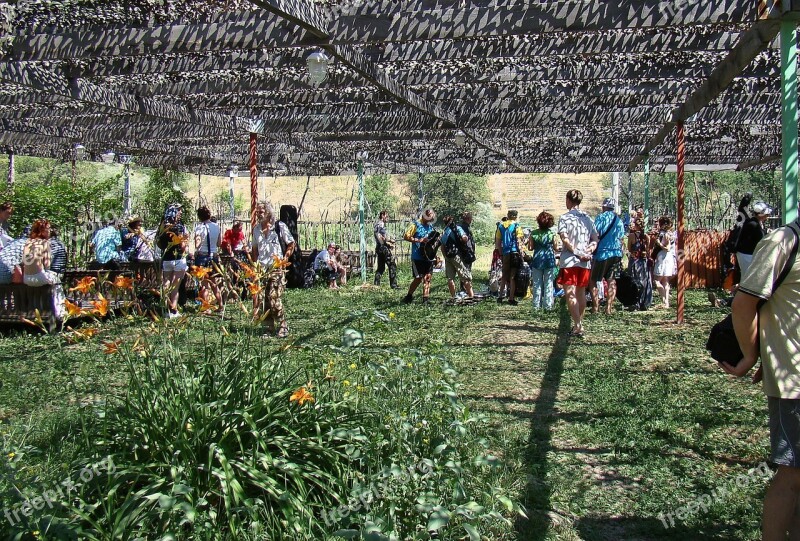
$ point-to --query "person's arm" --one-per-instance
(744, 312)
(565, 242)
(409, 235)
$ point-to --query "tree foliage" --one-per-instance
(162, 188)
(378, 195)
(44, 188)
(711, 197)
(449, 194)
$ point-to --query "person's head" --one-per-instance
(40, 230)
(609, 204)
(6, 210)
(638, 224)
(513, 215)
(762, 210)
(237, 226)
(173, 213)
(545, 220)
(265, 213)
(203, 214)
(134, 223)
(574, 198)
(428, 217)
(53, 231)
(331, 248)
(466, 218)
(383, 215)
(665, 223)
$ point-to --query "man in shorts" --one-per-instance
(578, 242)
(772, 332)
(421, 263)
(453, 264)
(607, 261)
(508, 240)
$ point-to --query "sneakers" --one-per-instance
(408, 299)
(513, 302)
(173, 315)
(712, 298)
(395, 286)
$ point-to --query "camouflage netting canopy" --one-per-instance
(442, 85)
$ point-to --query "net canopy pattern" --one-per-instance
(441, 86)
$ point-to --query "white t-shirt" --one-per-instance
(578, 228)
(322, 259)
(269, 245)
(5, 238)
(205, 230)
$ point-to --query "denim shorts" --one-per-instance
(784, 431)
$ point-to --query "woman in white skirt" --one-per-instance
(666, 263)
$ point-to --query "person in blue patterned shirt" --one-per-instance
(607, 261)
(421, 264)
(107, 242)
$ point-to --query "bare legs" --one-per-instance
(662, 285)
(171, 281)
(780, 506)
(576, 303)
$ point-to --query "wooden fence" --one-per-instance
(703, 258)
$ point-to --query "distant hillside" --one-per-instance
(330, 198)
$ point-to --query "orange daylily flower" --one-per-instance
(123, 282)
(101, 306)
(301, 396)
(206, 305)
(111, 347)
(85, 284)
(249, 273)
(279, 263)
(199, 272)
(73, 310)
(255, 288)
(88, 332)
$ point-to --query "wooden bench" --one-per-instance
(18, 302)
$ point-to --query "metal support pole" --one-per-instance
(231, 176)
(630, 193)
(421, 184)
(126, 190)
(199, 188)
(681, 165)
(646, 191)
(615, 190)
(361, 232)
(10, 180)
(253, 179)
(789, 118)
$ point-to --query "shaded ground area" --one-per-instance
(611, 434)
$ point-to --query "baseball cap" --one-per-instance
(609, 203)
(759, 207)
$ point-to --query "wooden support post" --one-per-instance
(681, 159)
(615, 190)
(789, 118)
(253, 179)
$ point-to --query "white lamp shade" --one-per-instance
(317, 67)
(108, 156)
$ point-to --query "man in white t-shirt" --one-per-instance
(578, 242)
(270, 237)
(207, 239)
(325, 265)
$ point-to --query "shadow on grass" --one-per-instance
(536, 498)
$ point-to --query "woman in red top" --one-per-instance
(233, 241)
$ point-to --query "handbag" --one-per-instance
(722, 342)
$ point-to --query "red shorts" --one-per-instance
(574, 276)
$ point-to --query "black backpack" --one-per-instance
(451, 247)
(296, 271)
(628, 289)
(430, 247)
(736, 231)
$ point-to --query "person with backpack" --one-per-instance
(542, 243)
(507, 239)
(454, 245)
(639, 264)
(271, 239)
(384, 247)
(424, 241)
(753, 230)
(766, 321)
(578, 242)
(173, 240)
(607, 262)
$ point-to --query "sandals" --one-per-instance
(577, 333)
(283, 331)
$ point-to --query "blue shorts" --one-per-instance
(784, 431)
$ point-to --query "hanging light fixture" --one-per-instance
(461, 138)
(317, 63)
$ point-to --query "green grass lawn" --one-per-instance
(600, 438)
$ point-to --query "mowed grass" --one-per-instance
(600, 436)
